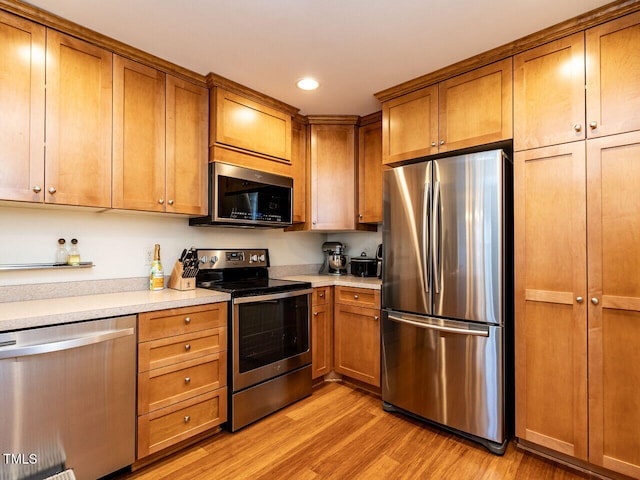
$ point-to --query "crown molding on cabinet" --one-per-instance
(65, 26)
(582, 22)
(333, 119)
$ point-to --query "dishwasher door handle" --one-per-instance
(441, 328)
(60, 345)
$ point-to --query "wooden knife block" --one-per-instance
(177, 282)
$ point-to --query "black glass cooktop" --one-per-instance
(252, 286)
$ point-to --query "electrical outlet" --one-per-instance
(148, 256)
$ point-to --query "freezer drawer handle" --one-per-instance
(41, 348)
(439, 328)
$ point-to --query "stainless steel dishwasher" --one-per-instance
(67, 399)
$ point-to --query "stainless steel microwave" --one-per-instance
(244, 197)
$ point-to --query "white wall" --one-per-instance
(118, 242)
(356, 242)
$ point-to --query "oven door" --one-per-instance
(271, 336)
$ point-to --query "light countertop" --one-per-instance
(373, 283)
(39, 313)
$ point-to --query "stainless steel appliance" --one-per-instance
(241, 196)
(447, 294)
(269, 333)
(68, 399)
(379, 258)
(335, 260)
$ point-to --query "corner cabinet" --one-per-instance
(370, 169)
(577, 302)
(463, 111)
(357, 334)
(321, 331)
(182, 375)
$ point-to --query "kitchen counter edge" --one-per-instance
(372, 283)
(54, 311)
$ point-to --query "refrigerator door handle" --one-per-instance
(426, 196)
(440, 328)
(436, 219)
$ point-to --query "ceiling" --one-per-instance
(354, 48)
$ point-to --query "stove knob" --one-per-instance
(213, 260)
(262, 258)
(253, 258)
(203, 259)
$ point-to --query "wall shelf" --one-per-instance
(42, 266)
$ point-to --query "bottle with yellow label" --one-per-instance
(156, 275)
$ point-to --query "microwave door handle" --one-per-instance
(426, 196)
(436, 222)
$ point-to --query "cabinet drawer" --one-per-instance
(178, 321)
(171, 350)
(168, 426)
(358, 296)
(163, 386)
(321, 296)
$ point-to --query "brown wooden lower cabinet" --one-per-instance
(321, 331)
(182, 375)
(357, 338)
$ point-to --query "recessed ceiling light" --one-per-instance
(307, 84)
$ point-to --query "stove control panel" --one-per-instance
(218, 259)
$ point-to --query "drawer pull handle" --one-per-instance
(187, 419)
(356, 297)
(187, 380)
(187, 347)
(187, 320)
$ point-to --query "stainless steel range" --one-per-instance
(269, 332)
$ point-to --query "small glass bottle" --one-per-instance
(74, 253)
(156, 274)
(61, 253)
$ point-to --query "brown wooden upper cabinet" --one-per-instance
(549, 86)
(159, 141)
(370, 169)
(22, 46)
(470, 109)
(248, 125)
(78, 122)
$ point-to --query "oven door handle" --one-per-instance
(273, 296)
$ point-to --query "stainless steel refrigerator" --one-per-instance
(447, 294)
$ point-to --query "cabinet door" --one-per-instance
(78, 122)
(613, 70)
(613, 203)
(550, 309)
(299, 170)
(245, 124)
(22, 106)
(410, 125)
(321, 340)
(333, 177)
(187, 147)
(476, 107)
(370, 173)
(138, 136)
(357, 343)
(548, 91)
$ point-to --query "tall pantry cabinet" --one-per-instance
(577, 236)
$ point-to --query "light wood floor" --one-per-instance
(343, 433)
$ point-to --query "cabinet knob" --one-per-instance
(187, 347)
(187, 320)
(579, 299)
(321, 295)
(376, 317)
(187, 380)
(433, 144)
(161, 201)
(187, 419)
(593, 125)
(52, 190)
(356, 297)
(36, 189)
(595, 301)
(314, 222)
(315, 314)
(170, 202)
(441, 142)
(360, 216)
(577, 127)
